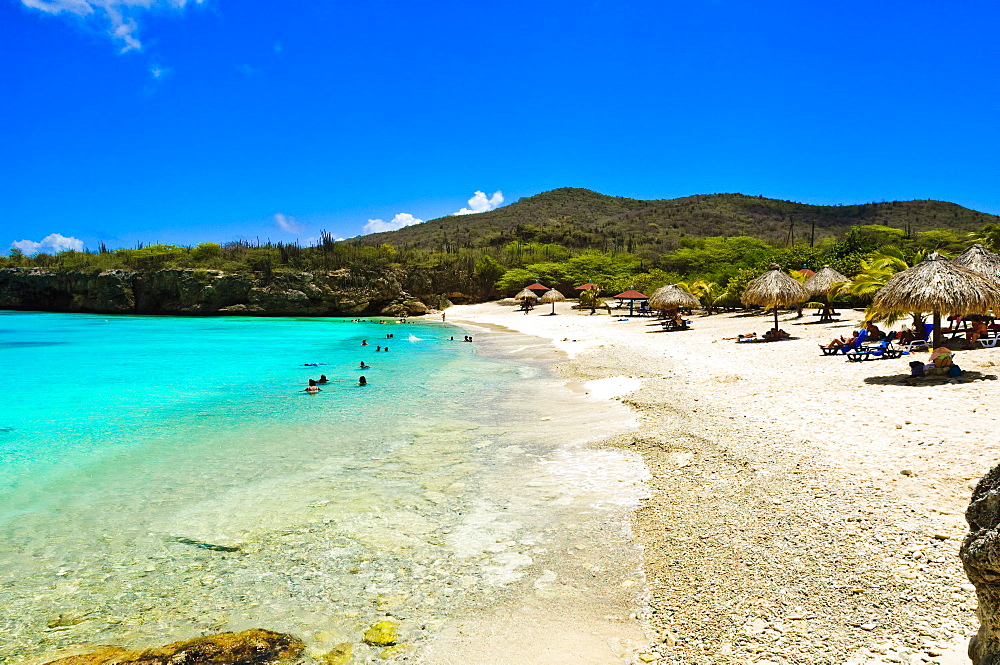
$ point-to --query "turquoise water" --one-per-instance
(80, 388)
(166, 477)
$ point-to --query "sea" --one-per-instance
(163, 478)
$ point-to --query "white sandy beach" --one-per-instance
(804, 509)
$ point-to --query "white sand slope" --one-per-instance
(804, 509)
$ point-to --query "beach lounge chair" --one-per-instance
(836, 350)
(883, 349)
(918, 343)
(988, 342)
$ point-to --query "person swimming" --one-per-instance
(313, 389)
(312, 382)
(364, 366)
(362, 381)
(364, 342)
(323, 379)
(378, 348)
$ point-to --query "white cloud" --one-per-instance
(479, 203)
(398, 222)
(54, 242)
(286, 223)
(118, 15)
(159, 72)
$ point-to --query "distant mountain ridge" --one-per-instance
(581, 218)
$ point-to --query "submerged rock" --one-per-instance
(251, 647)
(382, 634)
(339, 655)
(391, 652)
(980, 554)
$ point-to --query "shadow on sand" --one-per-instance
(907, 380)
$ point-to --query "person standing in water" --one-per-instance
(362, 381)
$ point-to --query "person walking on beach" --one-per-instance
(442, 317)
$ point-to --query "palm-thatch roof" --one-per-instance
(979, 259)
(939, 286)
(822, 281)
(774, 289)
(553, 296)
(672, 296)
(526, 294)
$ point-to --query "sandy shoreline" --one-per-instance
(804, 509)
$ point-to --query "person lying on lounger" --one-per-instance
(838, 342)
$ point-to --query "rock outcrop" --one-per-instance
(209, 292)
(251, 647)
(980, 554)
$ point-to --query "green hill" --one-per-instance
(580, 218)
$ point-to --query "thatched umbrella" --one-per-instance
(672, 296)
(526, 294)
(820, 283)
(774, 289)
(979, 259)
(939, 286)
(553, 297)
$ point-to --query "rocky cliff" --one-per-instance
(208, 292)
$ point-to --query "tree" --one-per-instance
(488, 270)
(205, 252)
(988, 237)
(876, 270)
(16, 257)
(590, 298)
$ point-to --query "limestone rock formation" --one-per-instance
(251, 647)
(209, 292)
(980, 554)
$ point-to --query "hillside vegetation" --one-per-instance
(583, 219)
(714, 244)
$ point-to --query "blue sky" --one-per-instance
(181, 122)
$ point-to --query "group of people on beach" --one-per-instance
(772, 335)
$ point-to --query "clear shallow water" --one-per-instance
(125, 442)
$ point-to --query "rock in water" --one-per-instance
(382, 634)
(251, 647)
(980, 554)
